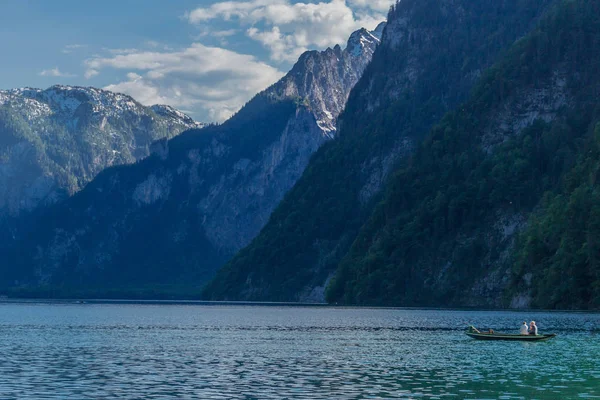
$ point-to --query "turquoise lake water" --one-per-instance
(96, 351)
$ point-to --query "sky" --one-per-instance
(206, 58)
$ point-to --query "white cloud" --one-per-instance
(211, 81)
(229, 9)
(225, 33)
(282, 47)
(152, 43)
(90, 73)
(121, 51)
(143, 91)
(287, 29)
(55, 72)
(73, 47)
(222, 36)
(207, 32)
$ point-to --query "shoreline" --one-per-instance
(157, 302)
(84, 301)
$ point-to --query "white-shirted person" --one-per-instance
(524, 329)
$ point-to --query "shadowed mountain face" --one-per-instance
(54, 141)
(431, 55)
(499, 206)
(175, 217)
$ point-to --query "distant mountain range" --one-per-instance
(172, 219)
(54, 141)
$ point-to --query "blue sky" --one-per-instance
(204, 57)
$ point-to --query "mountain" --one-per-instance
(499, 206)
(54, 141)
(431, 55)
(234, 213)
(326, 78)
(169, 221)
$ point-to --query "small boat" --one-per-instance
(475, 334)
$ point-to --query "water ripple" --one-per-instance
(138, 351)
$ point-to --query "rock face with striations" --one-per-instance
(234, 213)
(176, 216)
(54, 141)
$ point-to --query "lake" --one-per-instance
(95, 351)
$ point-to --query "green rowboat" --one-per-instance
(472, 332)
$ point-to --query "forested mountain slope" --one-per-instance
(169, 221)
(498, 207)
(432, 53)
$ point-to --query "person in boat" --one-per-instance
(533, 329)
(524, 329)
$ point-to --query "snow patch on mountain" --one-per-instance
(324, 79)
(65, 100)
(362, 41)
(72, 133)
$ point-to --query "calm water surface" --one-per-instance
(90, 351)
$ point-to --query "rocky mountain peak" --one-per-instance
(363, 41)
(64, 101)
(171, 112)
(324, 78)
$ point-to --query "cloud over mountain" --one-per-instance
(217, 80)
(288, 29)
(237, 49)
(55, 72)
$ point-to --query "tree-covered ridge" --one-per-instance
(431, 54)
(435, 239)
(558, 256)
